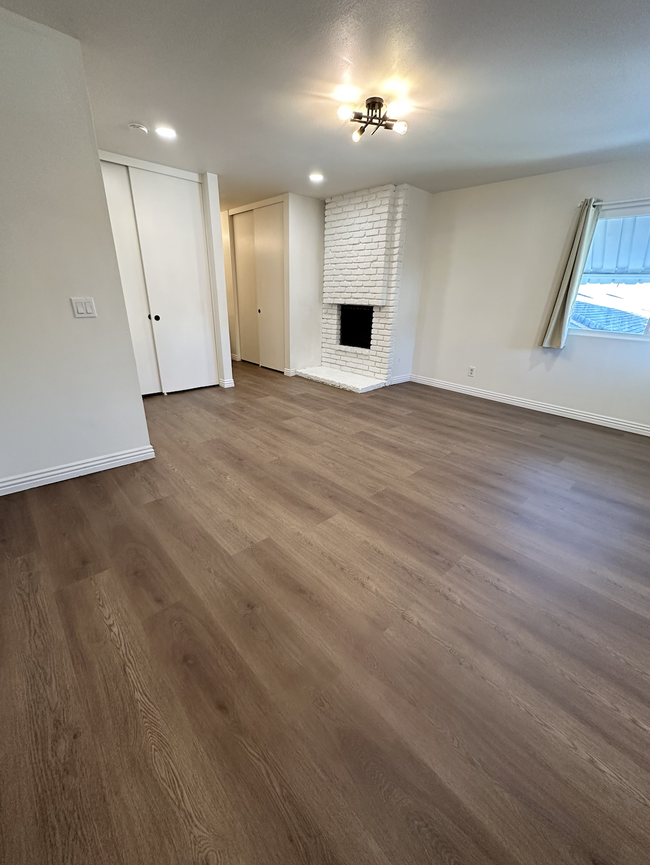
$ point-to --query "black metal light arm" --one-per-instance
(374, 116)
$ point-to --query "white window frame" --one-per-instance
(613, 209)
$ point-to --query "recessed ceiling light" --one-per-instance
(316, 178)
(138, 127)
(166, 132)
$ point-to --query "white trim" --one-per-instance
(235, 356)
(630, 202)
(400, 379)
(216, 274)
(226, 382)
(106, 156)
(608, 334)
(562, 411)
(231, 267)
(233, 276)
(16, 483)
(286, 233)
(265, 203)
(290, 371)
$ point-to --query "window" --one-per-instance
(614, 294)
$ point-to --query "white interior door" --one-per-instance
(169, 217)
(125, 234)
(269, 269)
(244, 244)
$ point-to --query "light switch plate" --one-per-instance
(83, 307)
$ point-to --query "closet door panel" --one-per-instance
(269, 269)
(244, 244)
(170, 224)
(127, 247)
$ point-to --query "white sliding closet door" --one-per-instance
(269, 270)
(127, 247)
(244, 245)
(169, 217)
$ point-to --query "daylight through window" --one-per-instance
(614, 294)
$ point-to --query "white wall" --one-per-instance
(217, 266)
(68, 387)
(233, 318)
(304, 227)
(416, 248)
(495, 255)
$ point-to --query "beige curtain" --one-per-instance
(558, 323)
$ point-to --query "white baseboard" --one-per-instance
(73, 470)
(226, 382)
(290, 371)
(548, 408)
(235, 356)
(400, 379)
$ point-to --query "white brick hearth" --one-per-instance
(364, 247)
(342, 378)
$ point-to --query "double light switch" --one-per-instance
(83, 307)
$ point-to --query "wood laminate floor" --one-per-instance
(402, 627)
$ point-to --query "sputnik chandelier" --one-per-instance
(376, 117)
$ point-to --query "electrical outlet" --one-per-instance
(470, 371)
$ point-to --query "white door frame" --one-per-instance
(209, 184)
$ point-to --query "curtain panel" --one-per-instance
(558, 323)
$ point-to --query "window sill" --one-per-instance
(605, 334)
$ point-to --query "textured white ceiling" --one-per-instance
(501, 89)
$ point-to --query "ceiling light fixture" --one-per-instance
(138, 127)
(376, 116)
(316, 178)
(166, 132)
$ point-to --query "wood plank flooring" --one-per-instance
(407, 627)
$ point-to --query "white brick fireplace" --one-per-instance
(365, 244)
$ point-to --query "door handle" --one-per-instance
(156, 317)
(259, 310)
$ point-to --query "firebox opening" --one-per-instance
(356, 325)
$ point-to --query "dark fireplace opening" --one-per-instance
(356, 325)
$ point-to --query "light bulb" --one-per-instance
(356, 135)
(316, 178)
(166, 132)
(345, 112)
(401, 127)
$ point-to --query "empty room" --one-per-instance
(324, 433)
